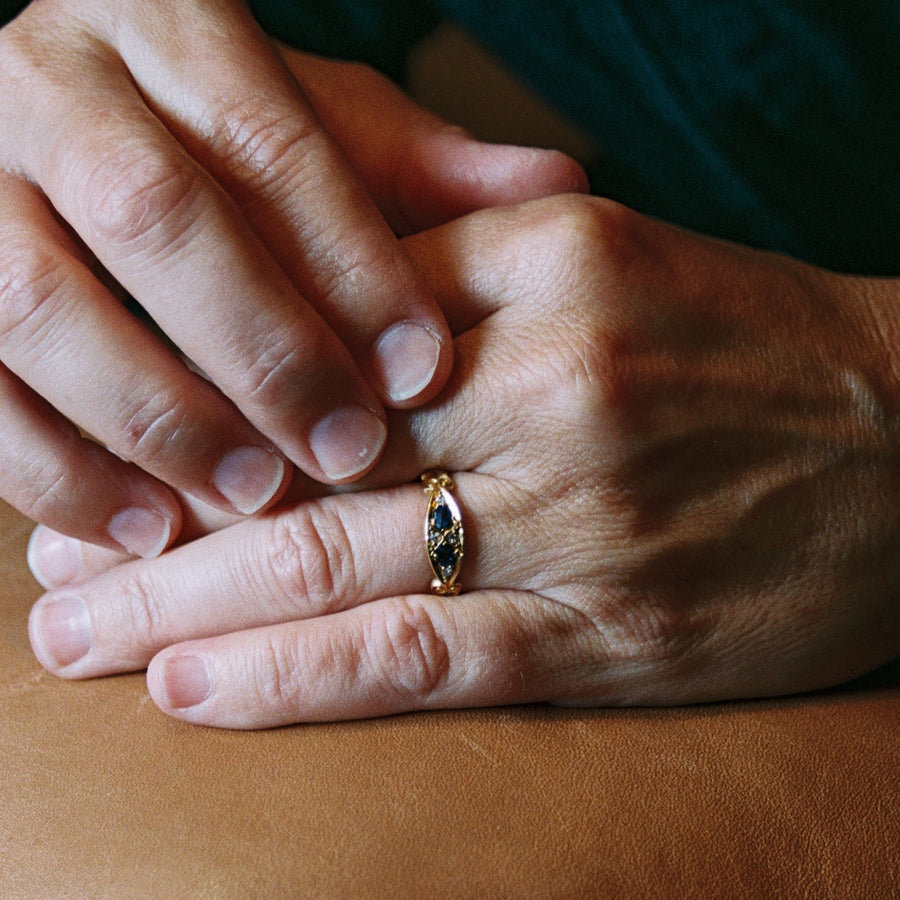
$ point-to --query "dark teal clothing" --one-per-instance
(772, 122)
(9, 8)
(379, 33)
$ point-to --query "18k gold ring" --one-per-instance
(443, 533)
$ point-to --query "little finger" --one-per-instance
(393, 656)
(52, 474)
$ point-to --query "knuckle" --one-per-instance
(589, 230)
(276, 674)
(269, 379)
(141, 199)
(31, 279)
(407, 652)
(144, 623)
(584, 253)
(596, 338)
(261, 146)
(311, 560)
(152, 429)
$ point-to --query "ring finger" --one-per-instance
(319, 558)
(339, 626)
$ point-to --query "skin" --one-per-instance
(677, 460)
(167, 151)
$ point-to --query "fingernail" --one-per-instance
(184, 681)
(62, 631)
(54, 559)
(141, 532)
(347, 441)
(249, 477)
(406, 356)
(513, 173)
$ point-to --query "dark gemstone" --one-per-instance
(442, 517)
(445, 558)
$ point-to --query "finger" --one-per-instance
(174, 240)
(57, 560)
(250, 124)
(63, 333)
(52, 474)
(483, 404)
(298, 563)
(315, 559)
(392, 656)
(321, 572)
(420, 171)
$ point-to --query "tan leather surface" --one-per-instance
(103, 796)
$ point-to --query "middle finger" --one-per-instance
(249, 123)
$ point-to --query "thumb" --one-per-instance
(421, 171)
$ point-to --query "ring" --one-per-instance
(443, 533)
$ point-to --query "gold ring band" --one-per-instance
(443, 533)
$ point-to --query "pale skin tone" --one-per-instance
(677, 460)
(164, 150)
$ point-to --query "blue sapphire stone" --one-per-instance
(442, 517)
(445, 558)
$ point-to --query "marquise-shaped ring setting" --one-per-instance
(443, 533)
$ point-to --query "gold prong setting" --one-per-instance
(443, 533)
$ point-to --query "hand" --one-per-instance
(165, 149)
(677, 463)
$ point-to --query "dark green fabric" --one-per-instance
(379, 33)
(10, 8)
(772, 122)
